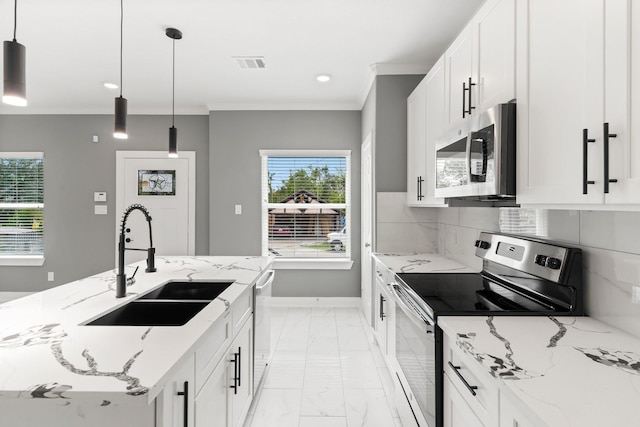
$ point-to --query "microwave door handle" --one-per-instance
(468, 159)
(485, 155)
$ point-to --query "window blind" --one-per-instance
(21, 203)
(306, 205)
(524, 221)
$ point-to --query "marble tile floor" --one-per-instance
(325, 372)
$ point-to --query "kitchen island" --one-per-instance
(52, 364)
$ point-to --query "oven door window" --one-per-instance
(482, 155)
(451, 165)
(415, 352)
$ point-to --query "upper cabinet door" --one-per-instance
(416, 145)
(459, 72)
(480, 64)
(495, 53)
(622, 100)
(435, 127)
(560, 93)
(425, 124)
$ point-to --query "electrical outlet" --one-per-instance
(50, 276)
(635, 294)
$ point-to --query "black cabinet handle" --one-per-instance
(464, 99)
(585, 159)
(382, 315)
(471, 107)
(239, 367)
(607, 135)
(235, 373)
(466, 111)
(420, 181)
(471, 388)
(185, 393)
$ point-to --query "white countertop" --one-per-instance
(421, 263)
(571, 371)
(46, 352)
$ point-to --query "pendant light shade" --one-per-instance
(14, 57)
(173, 34)
(173, 142)
(120, 128)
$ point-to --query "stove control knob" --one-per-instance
(553, 263)
(541, 260)
(482, 244)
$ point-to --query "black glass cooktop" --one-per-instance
(449, 294)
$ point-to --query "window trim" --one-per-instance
(300, 263)
(23, 260)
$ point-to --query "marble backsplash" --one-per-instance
(610, 242)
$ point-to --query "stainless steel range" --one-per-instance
(520, 276)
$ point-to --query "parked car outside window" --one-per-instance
(338, 239)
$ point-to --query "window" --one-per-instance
(21, 208)
(524, 221)
(306, 207)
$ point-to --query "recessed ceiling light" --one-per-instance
(110, 85)
(323, 77)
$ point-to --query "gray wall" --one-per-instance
(235, 138)
(77, 242)
(391, 131)
(384, 114)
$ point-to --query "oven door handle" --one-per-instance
(421, 321)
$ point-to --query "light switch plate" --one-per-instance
(238, 209)
(100, 196)
(100, 209)
(50, 276)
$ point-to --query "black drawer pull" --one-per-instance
(185, 393)
(471, 388)
(235, 362)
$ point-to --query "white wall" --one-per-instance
(610, 242)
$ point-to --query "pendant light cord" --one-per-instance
(173, 87)
(15, 19)
(121, 37)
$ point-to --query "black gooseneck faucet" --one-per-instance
(121, 277)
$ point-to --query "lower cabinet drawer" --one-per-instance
(476, 386)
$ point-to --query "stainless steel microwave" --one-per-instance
(478, 160)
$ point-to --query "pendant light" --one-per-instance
(173, 34)
(120, 129)
(15, 86)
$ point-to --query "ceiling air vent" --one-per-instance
(250, 61)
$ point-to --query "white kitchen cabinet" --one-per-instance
(471, 390)
(575, 62)
(457, 412)
(480, 64)
(459, 72)
(384, 313)
(512, 416)
(175, 404)
(381, 312)
(226, 395)
(425, 124)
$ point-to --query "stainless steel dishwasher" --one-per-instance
(262, 326)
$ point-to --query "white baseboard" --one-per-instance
(8, 296)
(316, 302)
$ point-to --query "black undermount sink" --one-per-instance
(172, 304)
(187, 291)
(151, 313)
